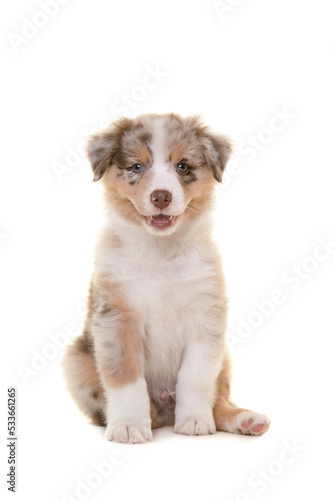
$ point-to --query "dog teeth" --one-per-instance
(169, 217)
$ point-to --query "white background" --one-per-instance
(236, 69)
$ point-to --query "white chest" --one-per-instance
(171, 292)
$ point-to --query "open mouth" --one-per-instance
(161, 221)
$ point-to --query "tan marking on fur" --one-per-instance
(125, 197)
(83, 378)
(224, 410)
(127, 369)
(177, 153)
(142, 154)
(224, 380)
(105, 289)
(199, 193)
(81, 351)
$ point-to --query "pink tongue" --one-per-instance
(161, 220)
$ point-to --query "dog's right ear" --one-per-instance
(103, 146)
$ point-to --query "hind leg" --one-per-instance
(228, 417)
(83, 380)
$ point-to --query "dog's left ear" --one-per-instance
(217, 151)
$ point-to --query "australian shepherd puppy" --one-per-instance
(153, 348)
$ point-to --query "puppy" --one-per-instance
(153, 349)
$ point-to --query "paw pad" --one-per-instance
(249, 423)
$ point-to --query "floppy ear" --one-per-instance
(217, 151)
(103, 146)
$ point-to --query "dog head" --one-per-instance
(158, 170)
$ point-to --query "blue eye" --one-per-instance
(137, 168)
(182, 167)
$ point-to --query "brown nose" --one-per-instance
(161, 198)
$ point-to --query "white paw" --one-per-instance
(249, 422)
(131, 432)
(195, 426)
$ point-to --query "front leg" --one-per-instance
(119, 353)
(128, 413)
(195, 388)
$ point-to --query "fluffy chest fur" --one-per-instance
(176, 288)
